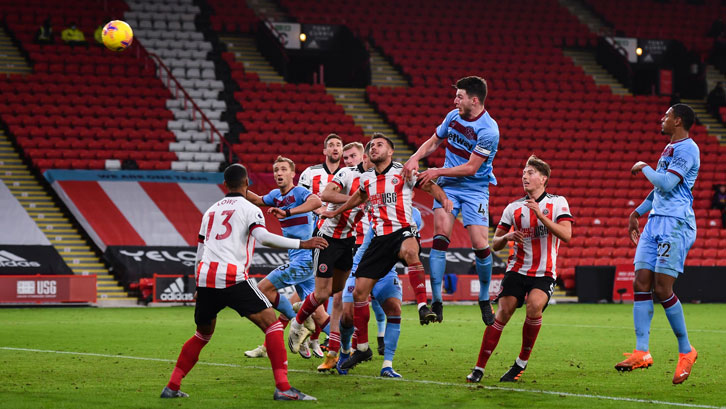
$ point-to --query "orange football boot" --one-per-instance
(638, 359)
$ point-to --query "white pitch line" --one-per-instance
(419, 381)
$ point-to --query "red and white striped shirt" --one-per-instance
(228, 244)
(537, 256)
(316, 177)
(344, 225)
(389, 196)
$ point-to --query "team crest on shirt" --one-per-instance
(323, 268)
(546, 212)
(395, 180)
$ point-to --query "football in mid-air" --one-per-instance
(117, 35)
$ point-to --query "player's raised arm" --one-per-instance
(312, 203)
(434, 190)
(356, 199)
(467, 169)
(424, 151)
(331, 194)
(273, 240)
(254, 198)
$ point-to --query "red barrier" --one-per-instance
(623, 283)
(41, 289)
(467, 288)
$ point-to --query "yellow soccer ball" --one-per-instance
(117, 35)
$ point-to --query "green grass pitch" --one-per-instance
(123, 358)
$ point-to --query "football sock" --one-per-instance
(674, 312)
(489, 342)
(354, 340)
(346, 335)
(361, 316)
(484, 271)
(282, 304)
(380, 317)
(529, 336)
(326, 326)
(188, 356)
(642, 316)
(308, 307)
(274, 340)
(417, 277)
(393, 331)
(437, 265)
(334, 343)
(316, 333)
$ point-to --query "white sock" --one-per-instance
(387, 364)
(363, 347)
(479, 368)
(522, 364)
(421, 304)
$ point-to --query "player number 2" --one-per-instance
(664, 249)
(227, 227)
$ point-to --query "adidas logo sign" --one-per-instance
(174, 292)
(8, 259)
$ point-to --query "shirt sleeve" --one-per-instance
(507, 219)
(486, 143)
(203, 228)
(301, 195)
(305, 180)
(442, 130)
(269, 199)
(365, 181)
(255, 219)
(562, 211)
(341, 178)
(683, 161)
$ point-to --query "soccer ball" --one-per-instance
(117, 35)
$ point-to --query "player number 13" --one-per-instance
(227, 227)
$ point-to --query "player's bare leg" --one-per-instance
(492, 333)
(274, 339)
(324, 288)
(642, 316)
(536, 302)
(479, 236)
(443, 226)
(188, 356)
(392, 308)
(409, 254)
(361, 316)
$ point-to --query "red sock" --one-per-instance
(334, 342)
(284, 321)
(354, 340)
(274, 339)
(529, 336)
(489, 342)
(308, 307)
(361, 316)
(188, 356)
(417, 277)
(319, 329)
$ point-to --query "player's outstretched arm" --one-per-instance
(331, 194)
(434, 190)
(663, 181)
(356, 199)
(467, 169)
(273, 240)
(311, 203)
(254, 198)
(424, 151)
(502, 237)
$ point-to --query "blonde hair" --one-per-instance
(289, 161)
(352, 145)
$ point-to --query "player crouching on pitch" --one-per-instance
(226, 244)
(540, 220)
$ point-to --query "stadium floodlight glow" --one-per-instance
(303, 37)
(639, 51)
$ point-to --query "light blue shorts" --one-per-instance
(663, 245)
(473, 205)
(298, 273)
(387, 287)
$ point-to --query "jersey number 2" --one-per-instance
(227, 227)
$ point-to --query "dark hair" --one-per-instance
(540, 165)
(474, 87)
(332, 136)
(235, 175)
(367, 149)
(683, 111)
(378, 135)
